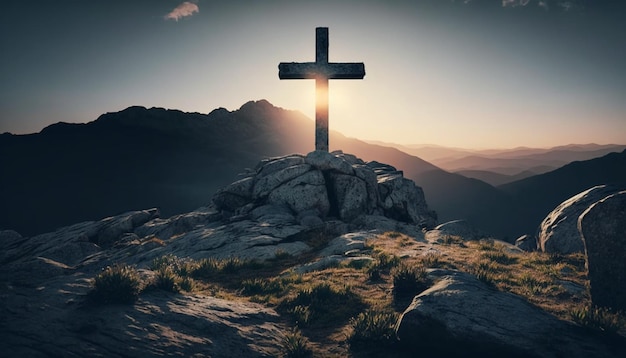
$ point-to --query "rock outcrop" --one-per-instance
(324, 185)
(461, 316)
(321, 208)
(558, 232)
(603, 228)
(45, 279)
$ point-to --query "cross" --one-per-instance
(321, 71)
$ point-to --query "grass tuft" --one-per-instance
(116, 284)
(323, 304)
(373, 329)
(167, 280)
(295, 345)
(409, 280)
(597, 318)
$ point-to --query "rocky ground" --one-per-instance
(319, 254)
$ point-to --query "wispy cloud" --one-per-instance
(183, 10)
(563, 5)
(514, 3)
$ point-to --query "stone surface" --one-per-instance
(603, 228)
(324, 185)
(235, 195)
(558, 232)
(461, 316)
(346, 243)
(306, 192)
(527, 243)
(350, 192)
(461, 228)
(325, 161)
(158, 325)
(401, 199)
(264, 184)
(44, 279)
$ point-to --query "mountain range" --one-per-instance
(501, 166)
(140, 158)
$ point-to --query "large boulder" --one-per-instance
(350, 192)
(400, 198)
(603, 228)
(461, 316)
(303, 193)
(324, 185)
(558, 232)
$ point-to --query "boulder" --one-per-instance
(264, 184)
(461, 316)
(346, 243)
(305, 192)
(402, 200)
(112, 228)
(527, 243)
(461, 228)
(325, 161)
(234, 195)
(269, 166)
(558, 232)
(603, 228)
(350, 192)
(329, 185)
(366, 174)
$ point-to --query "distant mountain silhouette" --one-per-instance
(134, 159)
(499, 166)
(496, 179)
(517, 161)
(140, 158)
(540, 194)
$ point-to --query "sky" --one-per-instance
(460, 73)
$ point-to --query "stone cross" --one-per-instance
(321, 71)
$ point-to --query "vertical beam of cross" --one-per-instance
(321, 90)
(321, 71)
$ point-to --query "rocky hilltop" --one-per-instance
(321, 254)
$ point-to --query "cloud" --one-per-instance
(183, 10)
(570, 5)
(514, 3)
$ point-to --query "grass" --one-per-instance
(116, 284)
(333, 319)
(295, 345)
(600, 319)
(449, 240)
(167, 280)
(373, 329)
(409, 280)
(323, 304)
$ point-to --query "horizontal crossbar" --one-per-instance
(312, 70)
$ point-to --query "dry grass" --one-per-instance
(330, 306)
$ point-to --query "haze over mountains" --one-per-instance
(501, 166)
(140, 158)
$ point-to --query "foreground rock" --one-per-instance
(603, 228)
(326, 206)
(58, 324)
(558, 232)
(44, 279)
(461, 316)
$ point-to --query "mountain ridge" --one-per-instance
(140, 157)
